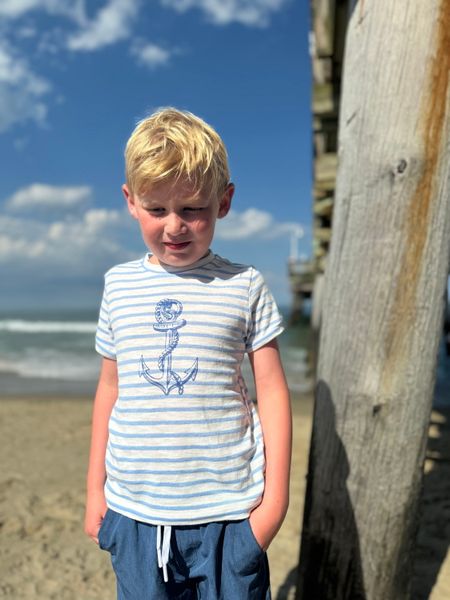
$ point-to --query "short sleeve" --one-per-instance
(104, 338)
(265, 322)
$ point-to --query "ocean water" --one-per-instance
(43, 353)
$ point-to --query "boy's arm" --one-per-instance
(275, 415)
(105, 399)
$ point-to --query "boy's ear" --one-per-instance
(129, 198)
(225, 201)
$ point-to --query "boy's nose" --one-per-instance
(175, 224)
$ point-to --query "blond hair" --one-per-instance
(171, 145)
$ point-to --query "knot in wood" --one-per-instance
(401, 166)
(376, 409)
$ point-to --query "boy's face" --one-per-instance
(177, 223)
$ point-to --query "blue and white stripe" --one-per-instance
(195, 455)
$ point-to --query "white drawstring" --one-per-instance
(163, 550)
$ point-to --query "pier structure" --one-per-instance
(329, 19)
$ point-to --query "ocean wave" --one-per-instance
(52, 364)
(23, 326)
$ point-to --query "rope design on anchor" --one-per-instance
(173, 344)
(167, 311)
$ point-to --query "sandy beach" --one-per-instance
(44, 553)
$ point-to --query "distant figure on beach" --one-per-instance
(187, 482)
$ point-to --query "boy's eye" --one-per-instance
(193, 208)
(155, 210)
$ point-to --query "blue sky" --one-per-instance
(76, 76)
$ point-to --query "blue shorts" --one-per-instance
(213, 561)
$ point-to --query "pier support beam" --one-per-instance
(383, 304)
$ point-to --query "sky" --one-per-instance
(75, 78)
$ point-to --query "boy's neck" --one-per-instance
(152, 259)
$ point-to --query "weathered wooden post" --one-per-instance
(383, 303)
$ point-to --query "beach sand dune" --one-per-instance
(44, 553)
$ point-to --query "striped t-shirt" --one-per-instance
(185, 443)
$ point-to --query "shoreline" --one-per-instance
(45, 553)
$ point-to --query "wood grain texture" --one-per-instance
(383, 303)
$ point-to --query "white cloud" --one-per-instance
(13, 9)
(253, 13)
(254, 223)
(15, 227)
(74, 242)
(46, 197)
(71, 243)
(22, 92)
(150, 55)
(66, 247)
(112, 24)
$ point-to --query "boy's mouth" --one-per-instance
(178, 246)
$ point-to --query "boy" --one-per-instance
(187, 484)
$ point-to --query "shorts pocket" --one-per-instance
(251, 536)
(105, 533)
(244, 555)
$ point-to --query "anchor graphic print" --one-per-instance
(168, 320)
